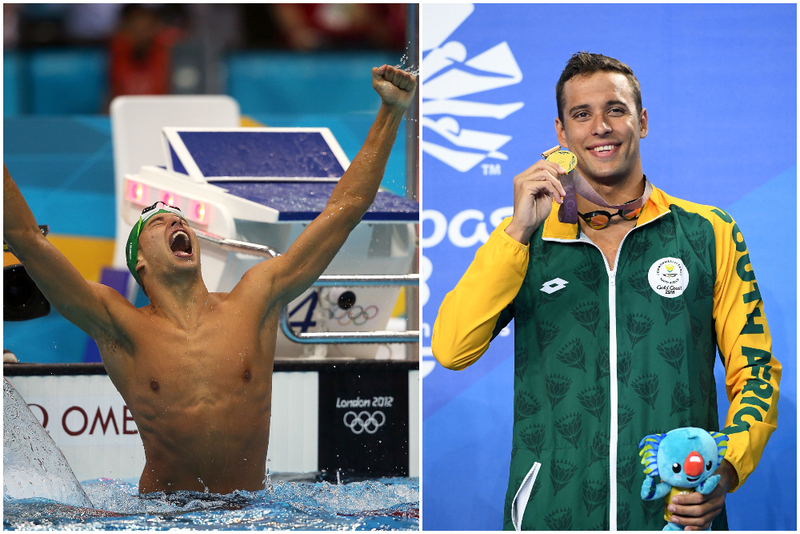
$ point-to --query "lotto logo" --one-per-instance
(554, 285)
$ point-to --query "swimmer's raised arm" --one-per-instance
(293, 272)
(85, 304)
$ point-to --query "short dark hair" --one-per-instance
(585, 63)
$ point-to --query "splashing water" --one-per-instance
(411, 69)
(33, 465)
(385, 504)
(40, 492)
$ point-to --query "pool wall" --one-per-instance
(311, 430)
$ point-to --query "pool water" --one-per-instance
(383, 504)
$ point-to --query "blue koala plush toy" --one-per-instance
(685, 459)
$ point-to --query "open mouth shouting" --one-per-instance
(180, 243)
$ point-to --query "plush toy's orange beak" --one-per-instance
(693, 466)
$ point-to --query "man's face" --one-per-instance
(602, 127)
(167, 244)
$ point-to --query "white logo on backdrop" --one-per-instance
(449, 74)
(364, 421)
(467, 228)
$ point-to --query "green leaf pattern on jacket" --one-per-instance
(589, 276)
(646, 386)
(594, 494)
(627, 469)
(563, 370)
(639, 283)
(570, 428)
(638, 327)
(560, 519)
(573, 355)
(588, 315)
(681, 398)
(561, 473)
(671, 308)
(546, 333)
(593, 399)
(673, 351)
(556, 388)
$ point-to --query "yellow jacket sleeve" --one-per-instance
(752, 374)
(469, 313)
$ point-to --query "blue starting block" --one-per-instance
(303, 201)
(256, 154)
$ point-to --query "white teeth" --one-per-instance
(606, 148)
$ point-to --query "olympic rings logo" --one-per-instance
(364, 421)
(356, 315)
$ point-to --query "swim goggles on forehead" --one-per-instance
(151, 210)
(132, 246)
(597, 220)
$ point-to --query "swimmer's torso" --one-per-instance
(200, 397)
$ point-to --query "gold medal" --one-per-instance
(565, 158)
(574, 185)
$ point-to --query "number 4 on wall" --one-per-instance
(306, 323)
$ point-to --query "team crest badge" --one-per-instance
(668, 277)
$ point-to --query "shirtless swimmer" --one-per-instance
(195, 368)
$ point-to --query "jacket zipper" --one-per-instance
(612, 372)
(613, 420)
(613, 394)
(612, 369)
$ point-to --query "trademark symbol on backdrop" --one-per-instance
(491, 169)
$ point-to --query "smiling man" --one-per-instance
(618, 316)
(195, 367)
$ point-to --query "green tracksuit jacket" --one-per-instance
(605, 356)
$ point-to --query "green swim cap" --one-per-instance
(132, 246)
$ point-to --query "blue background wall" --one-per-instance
(719, 84)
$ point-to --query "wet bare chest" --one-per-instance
(219, 355)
